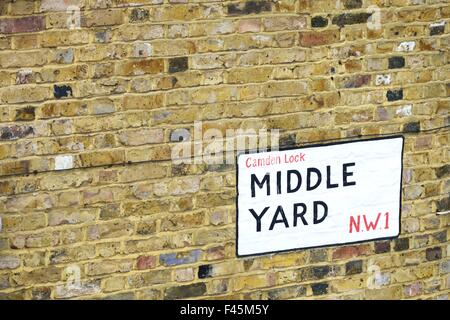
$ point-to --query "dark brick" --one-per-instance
(286, 293)
(319, 22)
(320, 272)
(121, 296)
(15, 132)
(440, 236)
(433, 253)
(437, 30)
(42, 293)
(139, 15)
(401, 244)
(288, 140)
(353, 267)
(178, 64)
(318, 255)
(25, 114)
(205, 271)
(411, 127)
(25, 24)
(396, 62)
(249, 7)
(319, 288)
(394, 95)
(443, 204)
(443, 171)
(382, 246)
(182, 292)
(352, 4)
(62, 91)
(350, 18)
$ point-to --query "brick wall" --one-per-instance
(93, 93)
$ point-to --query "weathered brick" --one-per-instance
(187, 291)
(351, 18)
(319, 288)
(396, 62)
(20, 25)
(316, 38)
(249, 7)
(394, 95)
(319, 22)
(173, 259)
(433, 253)
(9, 262)
(178, 64)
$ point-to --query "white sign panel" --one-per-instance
(316, 196)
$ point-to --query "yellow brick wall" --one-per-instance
(100, 86)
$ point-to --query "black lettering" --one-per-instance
(346, 174)
(299, 215)
(316, 209)
(254, 180)
(275, 218)
(299, 181)
(329, 184)
(278, 182)
(258, 217)
(308, 179)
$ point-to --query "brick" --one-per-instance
(62, 91)
(433, 253)
(140, 67)
(249, 25)
(141, 136)
(9, 262)
(318, 38)
(21, 25)
(183, 292)
(139, 15)
(350, 252)
(352, 4)
(396, 62)
(249, 7)
(401, 244)
(412, 127)
(205, 271)
(291, 23)
(173, 259)
(350, 18)
(437, 29)
(59, 5)
(178, 64)
(101, 18)
(319, 22)
(25, 114)
(319, 288)
(353, 267)
(86, 288)
(394, 95)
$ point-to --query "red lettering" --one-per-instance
(357, 225)
(372, 225)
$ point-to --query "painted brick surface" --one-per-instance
(95, 95)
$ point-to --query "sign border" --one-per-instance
(315, 145)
